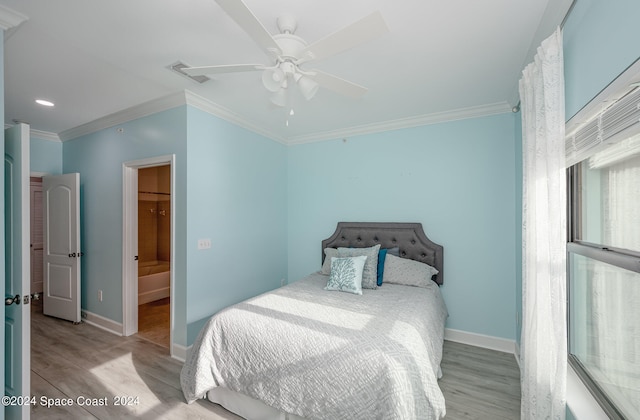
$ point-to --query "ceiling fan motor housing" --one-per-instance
(290, 45)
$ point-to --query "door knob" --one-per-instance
(11, 300)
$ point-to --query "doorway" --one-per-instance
(148, 249)
(36, 233)
(154, 253)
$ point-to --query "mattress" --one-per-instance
(327, 355)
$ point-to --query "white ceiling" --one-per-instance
(94, 58)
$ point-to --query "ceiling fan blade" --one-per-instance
(241, 14)
(357, 33)
(227, 68)
(336, 84)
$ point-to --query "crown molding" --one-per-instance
(138, 111)
(42, 135)
(212, 108)
(187, 97)
(164, 103)
(10, 18)
(426, 119)
(45, 135)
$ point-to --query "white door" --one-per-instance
(61, 246)
(17, 310)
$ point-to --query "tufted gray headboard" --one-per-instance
(409, 237)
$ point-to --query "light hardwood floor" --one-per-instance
(71, 361)
(154, 321)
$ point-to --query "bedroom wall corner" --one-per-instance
(98, 157)
(456, 178)
(237, 188)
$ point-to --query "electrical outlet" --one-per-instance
(204, 243)
(99, 295)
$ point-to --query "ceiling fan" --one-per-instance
(289, 52)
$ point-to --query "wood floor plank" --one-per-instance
(154, 320)
(39, 388)
(84, 361)
(480, 383)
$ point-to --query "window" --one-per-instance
(604, 262)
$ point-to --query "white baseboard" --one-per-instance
(102, 322)
(480, 340)
(180, 352)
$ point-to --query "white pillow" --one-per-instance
(346, 274)
(407, 272)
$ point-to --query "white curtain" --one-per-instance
(544, 339)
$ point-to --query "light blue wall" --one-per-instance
(456, 178)
(600, 42)
(236, 196)
(230, 188)
(98, 157)
(45, 156)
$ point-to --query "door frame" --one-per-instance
(130, 242)
(23, 367)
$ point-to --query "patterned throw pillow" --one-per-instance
(370, 275)
(346, 274)
(407, 272)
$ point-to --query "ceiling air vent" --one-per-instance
(178, 66)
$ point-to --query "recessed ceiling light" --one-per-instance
(44, 102)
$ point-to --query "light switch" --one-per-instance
(204, 243)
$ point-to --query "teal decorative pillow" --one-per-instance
(370, 275)
(381, 257)
(346, 274)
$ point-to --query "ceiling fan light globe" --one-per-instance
(279, 97)
(308, 87)
(272, 79)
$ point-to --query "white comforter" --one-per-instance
(327, 355)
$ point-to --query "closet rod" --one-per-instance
(149, 192)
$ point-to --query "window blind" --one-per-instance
(617, 122)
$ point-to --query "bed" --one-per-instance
(301, 351)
